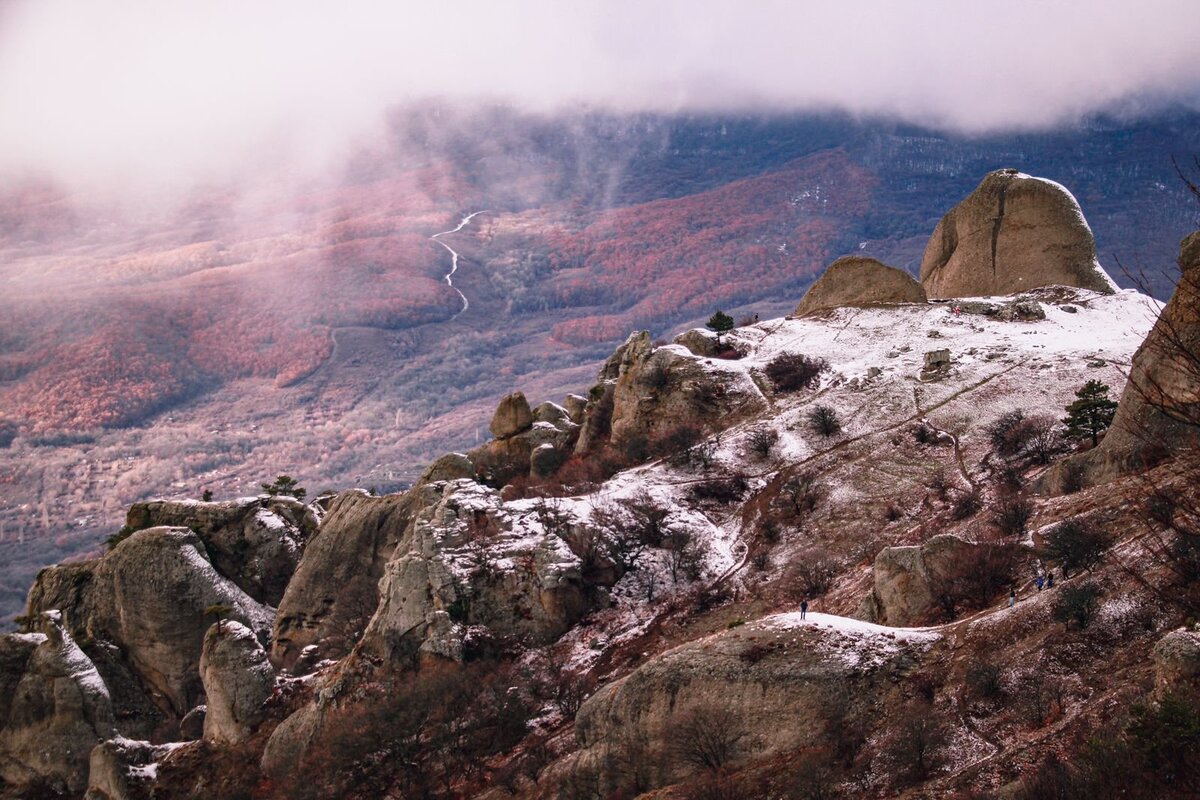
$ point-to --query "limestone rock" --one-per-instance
(778, 669)
(255, 542)
(237, 679)
(118, 770)
(191, 727)
(1176, 660)
(335, 589)
(512, 416)
(575, 405)
(701, 343)
(54, 708)
(906, 577)
(551, 413)
(1159, 411)
(859, 282)
(147, 598)
(644, 391)
(449, 467)
(1013, 233)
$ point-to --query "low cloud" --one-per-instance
(166, 94)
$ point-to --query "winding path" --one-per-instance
(454, 259)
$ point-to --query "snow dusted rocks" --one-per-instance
(148, 597)
(1013, 233)
(1176, 660)
(776, 682)
(643, 391)
(856, 281)
(54, 708)
(256, 542)
(237, 678)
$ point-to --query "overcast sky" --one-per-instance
(156, 90)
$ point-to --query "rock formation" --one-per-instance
(1176, 661)
(255, 542)
(792, 673)
(237, 679)
(643, 391)
(907, 577)
(148, 598)
(54, 708)
(859, 282)
(1159, 411)
(1013, 233)
(512, 416)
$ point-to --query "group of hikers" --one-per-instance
(1041, 581)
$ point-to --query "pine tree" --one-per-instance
(284, 485)
(1091, 413)
(719, 323)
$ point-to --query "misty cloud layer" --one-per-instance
(167, 93)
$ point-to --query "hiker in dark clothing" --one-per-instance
(1039, 582)
(1050, 579)
(803, 607)
(1012, 597)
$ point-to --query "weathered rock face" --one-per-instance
(238, 678)
(1176, 661)
(54, 708)
(117, 770)
(469, 563)
(798, 675)
(646, 392)
(512, 416)
(335, 589)
(1159, 411)
(501, 460)
(906, 580)
(147, 598)
(1013, 233)
(255, 542)
(858, 282)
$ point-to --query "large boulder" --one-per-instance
(512, 416)
(148, 601)
(238, 678)
(123, 769)
(1013, 233)
(805, 677)
(54, 708)
(907, 579)
(1177, 661)
(256, 542)
(1159, 412)
(859, 282)
(646, 392)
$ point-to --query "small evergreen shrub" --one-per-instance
(791, 372)
(824, 420)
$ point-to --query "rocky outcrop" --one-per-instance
(255, 542)
(1176, 661)
(335, 589)
(643, 391)
(238, 678)
(1159, 411)
(469, 562)
(859, 282)
(122, 769)
(512, 416)
(143, 608)
(906, 580)
(1013, 233)
(54, 708)
(803, 676)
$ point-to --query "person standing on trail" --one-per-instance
(1050, 579)
(1039, 581)
(1012, 597)
(803, 608)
